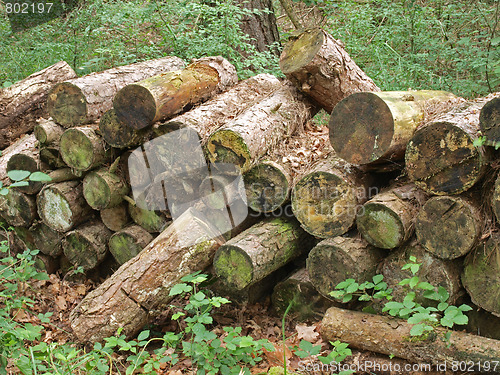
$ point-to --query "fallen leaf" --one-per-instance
(306, 332)
(61, 303)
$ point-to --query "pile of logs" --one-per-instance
(397, 174)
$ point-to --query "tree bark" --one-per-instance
(441, 157)
(128, 242)
(246, 138)
(117, 134)
(387, 335)
(140, 288)
(258, 251)
(320, 67)
(489, 119)
(388, 219)
(449, 227)
(163, 96)
(116, 218)
(103, 189)
(481, 275)
(85, 99)
(47, 240)
(24, 102)
(339, 258)
(18, 209)
(372, 129)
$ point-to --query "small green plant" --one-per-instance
(22, 178)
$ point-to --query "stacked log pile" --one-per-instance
(393, 175)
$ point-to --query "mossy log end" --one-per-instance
(481, 275)
(489, 119)
(449, 227)
(256, 252)
(441, 157)
(388, 219)
(335, 259)
(103, 189)
(243, 140)
(160, 97)
(27, 160)
(128, 242)
(152, 221)
(374, 128)
(320, 67)
(117, 134)
(116, 218)
(47, 240)
(62, 206)
(327, 197)
(140, 288)
(47, 132)
(18, 209)
(390, 336)
(85, 99)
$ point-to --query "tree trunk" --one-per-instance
(390, 336)
(87, 245)
(150, 220)
(26, 143)
(489, 119)
(320, 67)
(23, 102)
(116, 218)
(441, 157)
(62, 206)
(339, 258)
(18, 209)
(326, 198)
(128, 242)
(117, 134)
(163, 96)
(260, 250)
(481, 275)
(388, 219)
(47, 132)
(103, 189)
(47, 240)
(246, 138)
(85, 99)
(449, 227)
(383, 124)
(140, 288)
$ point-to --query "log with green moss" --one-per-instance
(141, 104)
(117, 134)
(18, 209)
(481, 275)
(116, 218)
(46, 263)
(62, 206)
(339, 258)
(46, 239)
(258, 251)
(320, 67)
(373, 128)
(388, 219)
(489, 119)
(51, 156)
(128, 242)
(441, 157)
(62, 175)
(85, 99)
(27, 160)
(449, 227)
(104, 189)
(26, 143)
(151, 220)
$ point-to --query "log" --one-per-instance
(46, 263)
(18, 209)
(382, 123)
(46, 239)
(62, 206)
(481, 275)
(25, 143)
(152, 221)
(448, 226)
(117, 134)
(103, 189)
(258, 251)
(62, 175)
(128, 242)
(388, 335)
(51, 156)
(339, 258)
(23, 102)
(85, 99)
(23, 239)
(441, 157)
(47, 132)
(326, 198)
(116, 218)
(388, 219)
(320, 67)
(139, 289)
(27, 160)
(141, 104)
(489, 119)
(246, 138)
(87, 245)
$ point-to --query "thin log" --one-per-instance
(489, 119)
(103, 189)
(320, 67)
(18, 209)
(62, 175)
(116, 218)
(85, 99)
(128, 242)
(46, 239)
(495, 199)
(47, 132)
(23, 102)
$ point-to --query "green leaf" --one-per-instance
(6, 84)
(18, 175)
(442, 306)
(464, 307)
(352, 288)
(461, 319)
(40, 176)
(425, 286)
(19, 184)
(344, 284)
(180, 289)
(377, 279)
(417, 330)
(143, 335)
(4, 191)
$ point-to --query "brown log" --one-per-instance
(163, 96)
(23, 239)
(26, 143)
(489, 119)
(103, 189)
(46, 263)
(494, 199)
(18, 209)
(116, 218)
(320, 67)
(85, 99)
(140, 288)
(24, 102)
(128, 242)
(46, 239)
(390, 336)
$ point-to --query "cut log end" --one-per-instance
(135, 106)
(489, 120)
(302, 51)
(381, 226)
(67, 105)
(103, 189)
(17, 209)
(117, 134)
(234, 266)
(81, 148)
(227, 146)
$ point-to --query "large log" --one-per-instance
(23, 102)
(18, 209)
(140, 288)
(246, 138)
(481, 275)
(390, 336)
(441, 157)
(489, 119)
(85, 99)
(104, 189)
(320, 67)
(258, 251)
(163, 96)
(128, 242)
(372, 129)
(449, 227)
